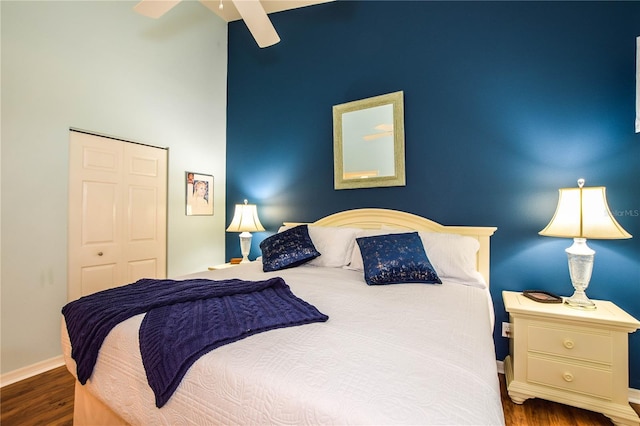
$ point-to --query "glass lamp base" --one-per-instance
(579, 300)
(580, 258)
(245, 246)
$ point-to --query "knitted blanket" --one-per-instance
(183, 321)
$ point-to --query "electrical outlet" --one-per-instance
(506, 329)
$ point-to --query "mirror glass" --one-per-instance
(368, 142)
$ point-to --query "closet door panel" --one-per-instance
(117, 213)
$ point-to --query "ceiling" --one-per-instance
(229, 12)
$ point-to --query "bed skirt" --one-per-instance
(90, 411)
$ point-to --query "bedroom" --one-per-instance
(516, 99)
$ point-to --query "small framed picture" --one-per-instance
(542, 296)
(199, 199)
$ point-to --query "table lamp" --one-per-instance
(245, 220)
(583, 213)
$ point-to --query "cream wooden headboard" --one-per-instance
(378, 218)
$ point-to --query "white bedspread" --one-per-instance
(396, 354)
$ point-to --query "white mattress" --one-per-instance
(396, 354)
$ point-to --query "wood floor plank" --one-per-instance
(539, 412)
(47, 399)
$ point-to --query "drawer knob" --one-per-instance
(568, 377)
(568, 343)
(100, 253)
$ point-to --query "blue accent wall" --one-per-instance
(505, 102)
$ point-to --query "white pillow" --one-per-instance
(334, 244)
(356, 262)
(453, 256)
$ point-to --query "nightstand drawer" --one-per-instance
(587, 345)
(571, 377)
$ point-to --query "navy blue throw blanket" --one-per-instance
(183, 321)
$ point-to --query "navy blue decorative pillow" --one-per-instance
(287, 249)
(395, 259)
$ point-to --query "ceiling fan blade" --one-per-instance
(155, 8)
(257, 21)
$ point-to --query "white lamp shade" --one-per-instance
(245, 219)
(584, 213)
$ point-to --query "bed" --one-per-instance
(389, 354)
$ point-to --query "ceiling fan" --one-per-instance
(251, 11)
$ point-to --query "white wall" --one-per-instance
(101, 67)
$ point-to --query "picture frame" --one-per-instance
(198, 194)
(542, 296)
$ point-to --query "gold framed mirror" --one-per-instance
(368, 142)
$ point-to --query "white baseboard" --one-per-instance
(634, 394)
(31, 370)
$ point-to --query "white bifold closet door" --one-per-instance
(117, 213)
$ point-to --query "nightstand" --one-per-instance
(570, 356)
(222, 266)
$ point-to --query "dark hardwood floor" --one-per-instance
(47, 399)
(538, 412)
